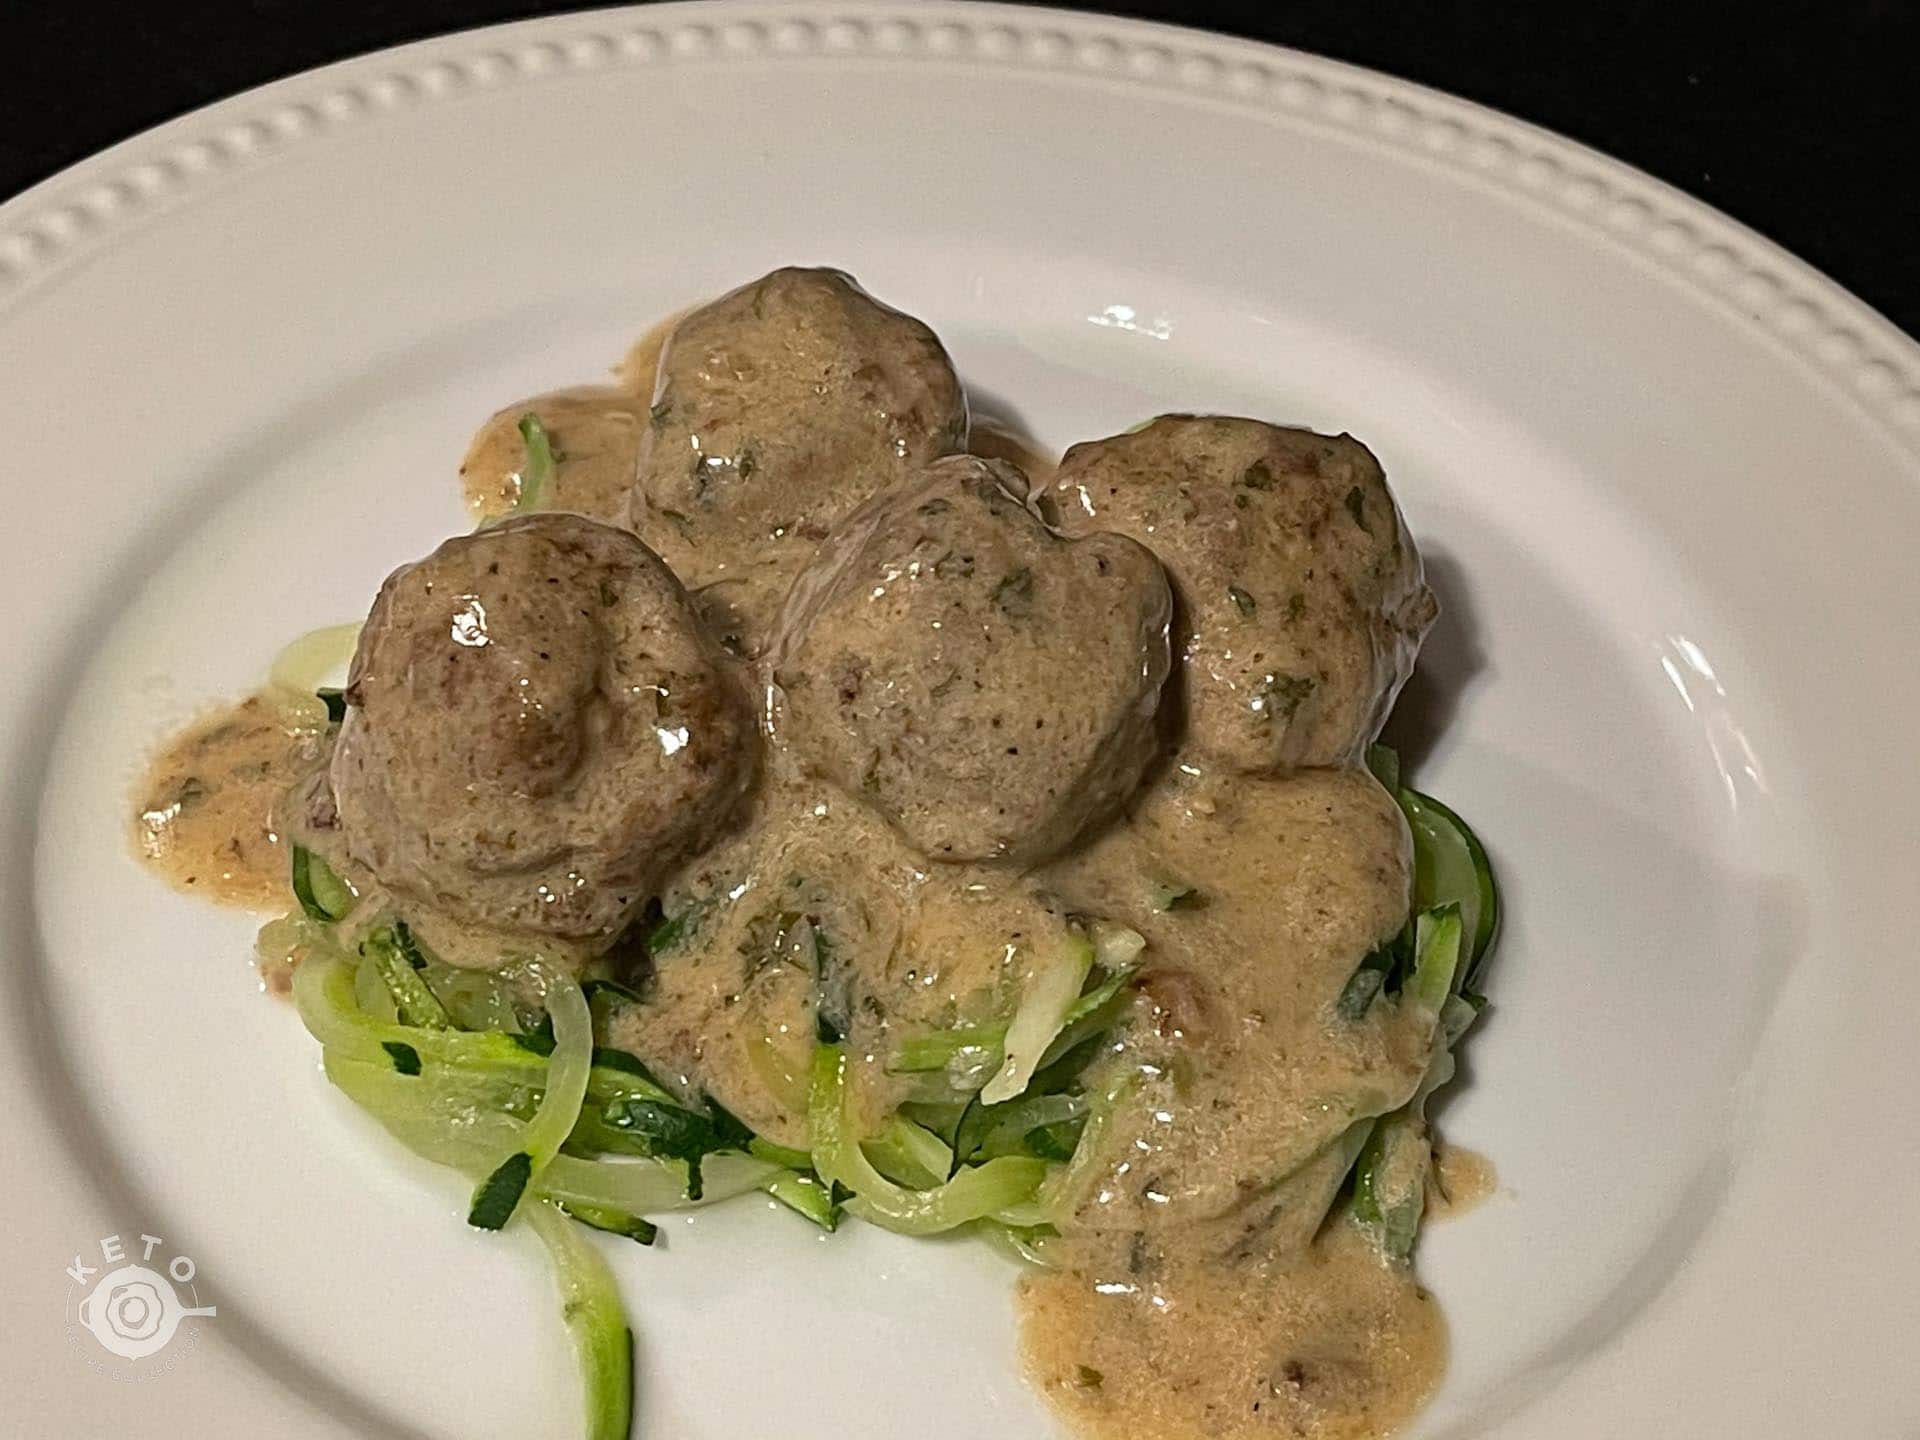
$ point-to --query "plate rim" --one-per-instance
(48, 230)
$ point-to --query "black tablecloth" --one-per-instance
(1788, 116)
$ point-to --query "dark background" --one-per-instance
(1795, 118)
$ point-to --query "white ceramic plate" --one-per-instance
(1665, 477)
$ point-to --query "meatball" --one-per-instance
(1301, 592)
(986, 684)
(1284, 885)
(776, 410)
(537, 730)
(594, 432)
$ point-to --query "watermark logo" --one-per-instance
(133, 1308)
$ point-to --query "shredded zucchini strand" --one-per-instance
(590, 1305)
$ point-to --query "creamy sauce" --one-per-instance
(1285, 885)
(1195, 1294)
(594, 433)
(1198, 1286)
(1463, 1180)
(993, 441)
(203, 812)
(1325, 1343)
(639, 367)
(814, 878)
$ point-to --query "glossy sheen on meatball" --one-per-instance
(594, 432)
(537, 729)
(777, 409)
(987, 685)
(1300, 589)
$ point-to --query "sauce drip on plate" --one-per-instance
(203, 812)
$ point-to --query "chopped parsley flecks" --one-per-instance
(1281, 696)
(1175, 895)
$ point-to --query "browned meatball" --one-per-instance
(984, 683)
(537, 730)
(776, 410)
(1301, 592)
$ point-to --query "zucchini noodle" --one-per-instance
(590, 1305)
(975, 1193)
(1044, 1008)
(998, 1127)
(306, 664)
(559, 1112)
